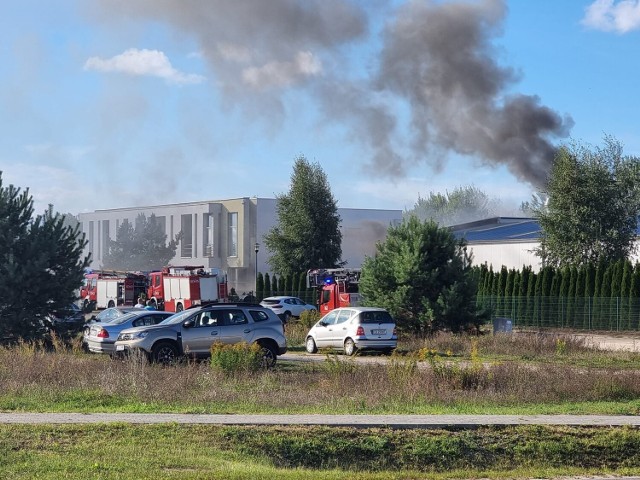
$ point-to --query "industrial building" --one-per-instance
(228, 234)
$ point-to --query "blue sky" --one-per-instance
(112, 103)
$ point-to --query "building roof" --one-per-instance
(499, 229)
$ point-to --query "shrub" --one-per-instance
(238, 357)
(309, 318)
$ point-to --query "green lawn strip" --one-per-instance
(201, 451)
(93, 401)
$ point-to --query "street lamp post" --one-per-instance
(256, 247)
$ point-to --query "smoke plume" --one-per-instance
(433, 85)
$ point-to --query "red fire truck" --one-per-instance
(337, 287)
(105, 289)
(175, 288)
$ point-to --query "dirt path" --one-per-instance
(356, 421)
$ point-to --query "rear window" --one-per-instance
(375, 317)
(271, 302)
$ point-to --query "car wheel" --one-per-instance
(268, 355)
(286, 316)
(349, 347)
(153, 303)
(179, 308)
(85, 306)
(111, 304)
(311, 345)
(164, 353)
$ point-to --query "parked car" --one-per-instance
(111, 313)
(286, 307)
(193, 331)
(100, 337)
(352, 329)
(66, 322)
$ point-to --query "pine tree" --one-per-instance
(288, 286)
(140, 248)
(267, 286)
(41, 265)
(308, 231)
(302, 286)
(259, 287)
(422, 275)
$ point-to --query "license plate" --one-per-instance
(378, 332)
(119, 348)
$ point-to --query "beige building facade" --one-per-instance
(223, 233)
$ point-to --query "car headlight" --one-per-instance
(132, 336)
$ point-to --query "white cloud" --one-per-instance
(609, 16)
(142, 62)
(282, 74)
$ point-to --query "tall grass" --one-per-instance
(455, 374)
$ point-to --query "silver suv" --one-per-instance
(193, 331)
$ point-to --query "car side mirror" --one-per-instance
(188, 323)
(322, 324)
(93, 317)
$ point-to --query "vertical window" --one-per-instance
(186, 244)
(161, 221)
(91, 236)
(232, 243)
(207, 224)
(105, 237)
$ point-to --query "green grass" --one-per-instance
(194, 452)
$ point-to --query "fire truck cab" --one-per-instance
(337, 287)
(176, 288)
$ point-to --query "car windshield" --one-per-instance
(122, 319)
(177, 318)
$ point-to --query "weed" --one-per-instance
(233, 358)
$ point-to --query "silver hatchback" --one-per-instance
(352, 329)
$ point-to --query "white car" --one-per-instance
(352, 329)
(286, 307)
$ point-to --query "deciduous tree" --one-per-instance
(593, 200)
(463, 204)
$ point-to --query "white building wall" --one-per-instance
(509, 254)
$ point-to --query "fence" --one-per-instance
(591, 313)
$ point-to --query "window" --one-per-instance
(91, 236)
(258, 316)
(344, 316)
(235, 317)
(233, 235)
(330, 318)
(207, 319)
(186, 244)
(105, 237)
(207, 224)
(376, 316)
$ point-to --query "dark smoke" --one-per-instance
(436, 57)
